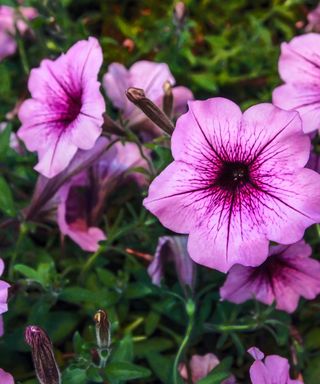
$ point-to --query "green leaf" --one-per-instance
(5, 140)
(123, 350)
(122, 370)
(74, 376)
(6, 199)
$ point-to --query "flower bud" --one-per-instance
(167, 99)
(103, 329)
(138, 98)
(45, 365)
(179, 13)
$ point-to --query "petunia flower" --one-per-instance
(82, 199)
(174, 249)
(65, 111)
(314, 20)
(151, 77)
(287, 274)
(3, 296)
(236, 182)
(5, 377)
(200, 367)
(273, 370)
(299, 68)
(10, 19)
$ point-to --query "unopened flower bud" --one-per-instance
(180, 12)
(167, 99)
(138, 98)
(45, 365)
(103, 329)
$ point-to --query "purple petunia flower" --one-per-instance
(5, 377)
(237, 181)
(65, 111)
(82, 199)
(173, 248)
(150, 77)
(287, 274)
(200, 367)
(299, 68)
(10, 19)
(3, 296)
(314, 20)
(274, 369)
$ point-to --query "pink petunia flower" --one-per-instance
(82, 199)
(150, 77)
(314, 20)
(299, 68)
(5, 377)
(287, 274)
(237, 181)
(65, 111)
(174, 249)
(200, 367)
(10, 19)
(3, 296)
(274, 369)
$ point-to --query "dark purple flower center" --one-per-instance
(232, 175)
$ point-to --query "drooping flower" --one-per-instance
(82, 199)
(273, 370)
(5, 377)
(3, 296)
(299, 68)
(287, 274)
(151, 77)
(237, 181)
(65, 111)
(10, 19)
(173, 249)
(200, 367)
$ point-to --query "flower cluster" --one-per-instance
(242, 188)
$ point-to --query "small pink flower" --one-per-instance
(314, 20)
(65, 111)
(3, 296)
(299, 68)
(82, 199)
(287, 274)
(14, 141)
(200, 367)
(10, 18)
(274, 369)
(150, 77)
(236, 182)
(173, 249)
(5, 377)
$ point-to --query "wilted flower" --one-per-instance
(3, 296)
(10, 19)
(287, 274)
(45, 365)
(5, 377)
(314, 20)
(82, 199)
(274, 369)
(65, 111)
(200, 367)
(299, 68)
(174, 249)
(237, 181)
(151, 77)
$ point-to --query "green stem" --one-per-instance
(21, 236)
(183, 345)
